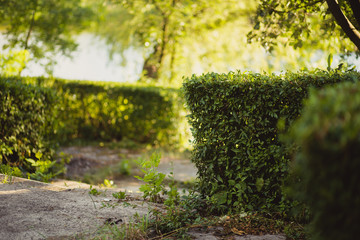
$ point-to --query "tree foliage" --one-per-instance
(307, 22)
(13, 62)
(43, 27)
(161, 27)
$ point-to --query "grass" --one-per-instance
(136, 228)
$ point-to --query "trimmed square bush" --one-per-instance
(235, 120)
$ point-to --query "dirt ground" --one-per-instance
(86, 159)
(64, 209)
(60, 210)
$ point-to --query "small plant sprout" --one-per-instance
(173, 196)
(153, 179)
(94, 191)
(120, 195)
(43, 172)
(9, 172)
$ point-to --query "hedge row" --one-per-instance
(235, 121)
(328, 162)
(38, 113)
(110, 111)
(26, 128)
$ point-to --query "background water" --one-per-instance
(91, 62)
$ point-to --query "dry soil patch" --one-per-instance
(63, 210)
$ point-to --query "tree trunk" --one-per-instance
(31, 26)
(172, 62)
(154, 62)
(355, 6)
(164, 41)
(30, 30)
(150, 68)
(344, 22)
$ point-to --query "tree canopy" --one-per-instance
(181, 37)
(161, 27)
(307, 22)
(43, 27)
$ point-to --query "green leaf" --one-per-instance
(259, 183)
(38, 155)
(221, 198)
(33, 163)
(329, 61)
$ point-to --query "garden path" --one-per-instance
(64, 209)
(89, 159)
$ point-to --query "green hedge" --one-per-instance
(235, 118)
(38, 113)
(110, 111)
(26, 127)
(328, 161)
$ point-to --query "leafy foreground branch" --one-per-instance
(176, 216)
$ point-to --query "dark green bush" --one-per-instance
(328, 160)
(235, 118)
(33, 119)
(26, 123)
(110, 111)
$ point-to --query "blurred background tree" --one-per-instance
(43, 27)
(162, 28)
(180, 37)
(13, 62)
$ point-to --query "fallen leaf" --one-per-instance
(237, 232)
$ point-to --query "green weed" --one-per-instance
(136, 228)
(178, 214)
(42, 172)
(94, 191)
(181, 213)
(108, 205)
(9, 172)
(119, 195)
(152, 178)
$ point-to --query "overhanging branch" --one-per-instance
(344, 22)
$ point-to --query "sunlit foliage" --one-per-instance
(298, 23)
(12, 62)
(43, 27)
(164, 30)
